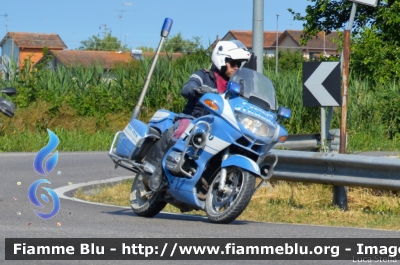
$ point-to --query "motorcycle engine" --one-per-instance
(172, 164)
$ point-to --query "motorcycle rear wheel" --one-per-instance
(145, 202)
(225, 207)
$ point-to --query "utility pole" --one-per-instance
(276, 53)
(258, 34)
(12, 46)
(126, 34)
(120, 30)
(120, 18)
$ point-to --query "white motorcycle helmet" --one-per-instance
(232, 49)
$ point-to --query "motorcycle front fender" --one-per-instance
(242, 162)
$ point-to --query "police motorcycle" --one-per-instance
(6, 106)
(214, 164)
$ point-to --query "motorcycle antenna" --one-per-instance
(164, 33)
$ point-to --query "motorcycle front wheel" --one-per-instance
(223, 207)
(145, 202)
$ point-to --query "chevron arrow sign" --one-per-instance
(321, 84)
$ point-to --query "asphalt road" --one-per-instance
(83, 220)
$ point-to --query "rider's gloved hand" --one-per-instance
(206, 89)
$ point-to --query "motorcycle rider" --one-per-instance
(227, 57)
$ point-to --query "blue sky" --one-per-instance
(77, 20)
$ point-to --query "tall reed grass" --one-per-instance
(373, 109)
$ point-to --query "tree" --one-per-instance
(328, 16)
(108, 43)
(375, 53)
(178, 44)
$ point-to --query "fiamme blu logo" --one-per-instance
(44, 162)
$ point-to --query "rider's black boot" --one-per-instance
(158, 179)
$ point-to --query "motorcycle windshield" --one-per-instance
(256, 88)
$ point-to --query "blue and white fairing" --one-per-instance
(130, 138)
(162, 120)
(249, 105)
(244, 116)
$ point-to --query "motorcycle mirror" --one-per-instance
(7, 107)
(284, 112)
(9, 91)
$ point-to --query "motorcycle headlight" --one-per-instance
(255, 125)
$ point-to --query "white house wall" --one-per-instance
(288, 44)
(283, 45)
(7, 50)
(229, 37)
(269, 53)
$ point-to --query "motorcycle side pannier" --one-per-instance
(136, 140)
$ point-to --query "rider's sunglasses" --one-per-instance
(234, 63)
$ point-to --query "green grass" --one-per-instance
(78, 99)
(82, 140)
(294, 203)
(27, 130)
(69, 141)
(363, 141)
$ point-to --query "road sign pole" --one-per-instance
(349, 27)
(345, 88)
(323, 129)
(340, 192)
(329, 119)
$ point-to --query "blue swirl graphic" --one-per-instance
(34, 200)
(44, 197)
(44, 152)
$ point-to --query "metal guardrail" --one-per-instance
(338, 169)
(310, 142)
(301, 142)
